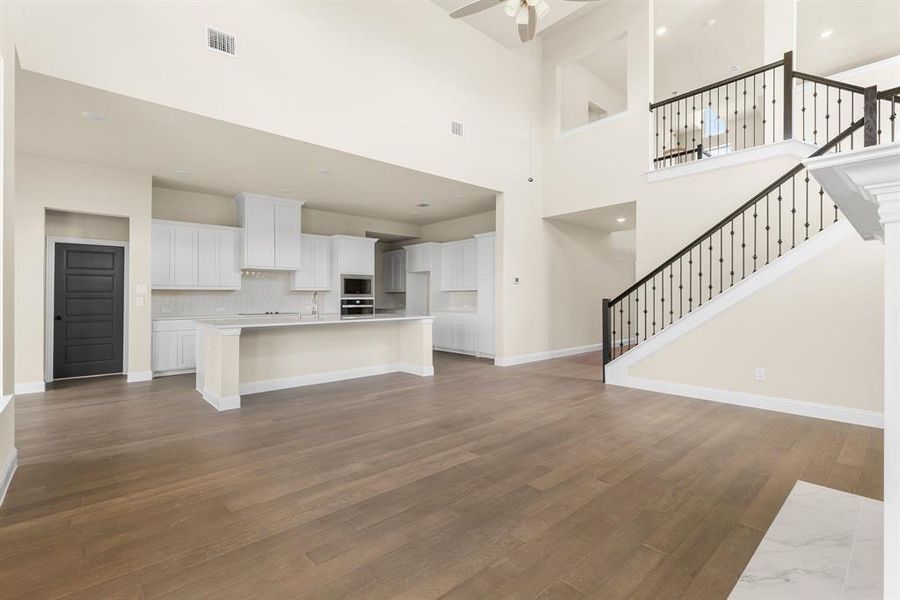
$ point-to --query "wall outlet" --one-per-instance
(515, 281)
(167, 310)
(759, 373)
(220, 310)
(141, 288)
(139, 301)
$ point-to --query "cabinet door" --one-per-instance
(208, 258)
(185, 256)
(229, 266)
(412, 259)
(259, 229)
(441, 334)
(451, 266)
(162, 255)
(486, 315)
(287, 235)
(305, 277)
(164, 351)
(486, 255)
(187, 349)
(400, 270)
(365, 257)
(322, 263)
(469, 264)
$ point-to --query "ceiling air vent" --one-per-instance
(456, 128)
(220, 41)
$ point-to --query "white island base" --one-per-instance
(250, 355)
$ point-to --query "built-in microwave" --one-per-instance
(356, 286)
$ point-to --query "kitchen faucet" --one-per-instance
(315, 306)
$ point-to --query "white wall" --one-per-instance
(577, 88)
(46, 184)
(817, 332)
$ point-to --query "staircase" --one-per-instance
(736, 114)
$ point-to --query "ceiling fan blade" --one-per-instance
(474, 7)
(526, 30)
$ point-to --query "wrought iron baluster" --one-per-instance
(779, 239)
(806, 223)
(793, 211)
(755, 215)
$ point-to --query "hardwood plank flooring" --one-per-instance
(535, 481)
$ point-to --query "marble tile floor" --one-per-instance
(824, 544)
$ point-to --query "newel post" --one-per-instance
(788, 104)
(607, 335)
(870, 116)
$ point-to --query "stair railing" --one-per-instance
(789, 211)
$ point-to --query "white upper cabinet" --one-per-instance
(271, 232)
(315, 263)
(355, 255)
(192, 256)
(162, 257)
(420, 257)
(459, 265)
(395, 271)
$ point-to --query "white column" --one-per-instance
(779, 29)
(888, 199)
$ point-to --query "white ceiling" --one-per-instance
(610, 64)
(864, 31)
(604, 218)
(495, 23)
(224, 158)
(692, 54)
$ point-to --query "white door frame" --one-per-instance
(50, 273)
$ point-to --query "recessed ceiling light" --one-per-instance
(709, 22)
(93, 116)
(826, 34)
(661, 31)
(287, 190)
(415, 212)
(323, 171)
(181, 172)
(620, 220)
(423, 205)
(456, 194)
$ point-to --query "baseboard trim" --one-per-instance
(6, 401)
(138, 376)
(509, 361)
(270, 385)
(222, 403)
(31, 387)
(6, 475)
(169, 373)
(815, 410)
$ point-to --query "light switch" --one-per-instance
(141, 288)
(139, 302)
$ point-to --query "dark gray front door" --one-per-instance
(88, 301)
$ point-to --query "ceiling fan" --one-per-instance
(526, 12)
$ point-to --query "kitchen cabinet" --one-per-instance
(394, 270)
(315, 263)
(272, 238)
(162, 255)
(173, 346)
(455, 332)
(459, 266)
(420, 257)
(486, 328)
(354, 255)
(192, 256)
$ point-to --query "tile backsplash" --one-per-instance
(260, 292)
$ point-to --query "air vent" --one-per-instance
(423, 205)
(456, 128)
(220, 41)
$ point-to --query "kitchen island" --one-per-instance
(247, 355)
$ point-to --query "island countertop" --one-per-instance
(248, 322)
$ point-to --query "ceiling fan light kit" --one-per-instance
(525, 12)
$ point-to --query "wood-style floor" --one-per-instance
(534, 481)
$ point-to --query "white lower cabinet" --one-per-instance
(455, 332)
(173, 346)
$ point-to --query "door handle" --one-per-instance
(58, 318)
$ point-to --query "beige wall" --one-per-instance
(193, 207)
(818, 332)
(47, 184)
(79, 225)
(7, 250)
(458, 229)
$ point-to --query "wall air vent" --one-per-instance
(220, 41)
(456, 128)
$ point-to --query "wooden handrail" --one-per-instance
(830, 82)
(735, 213)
